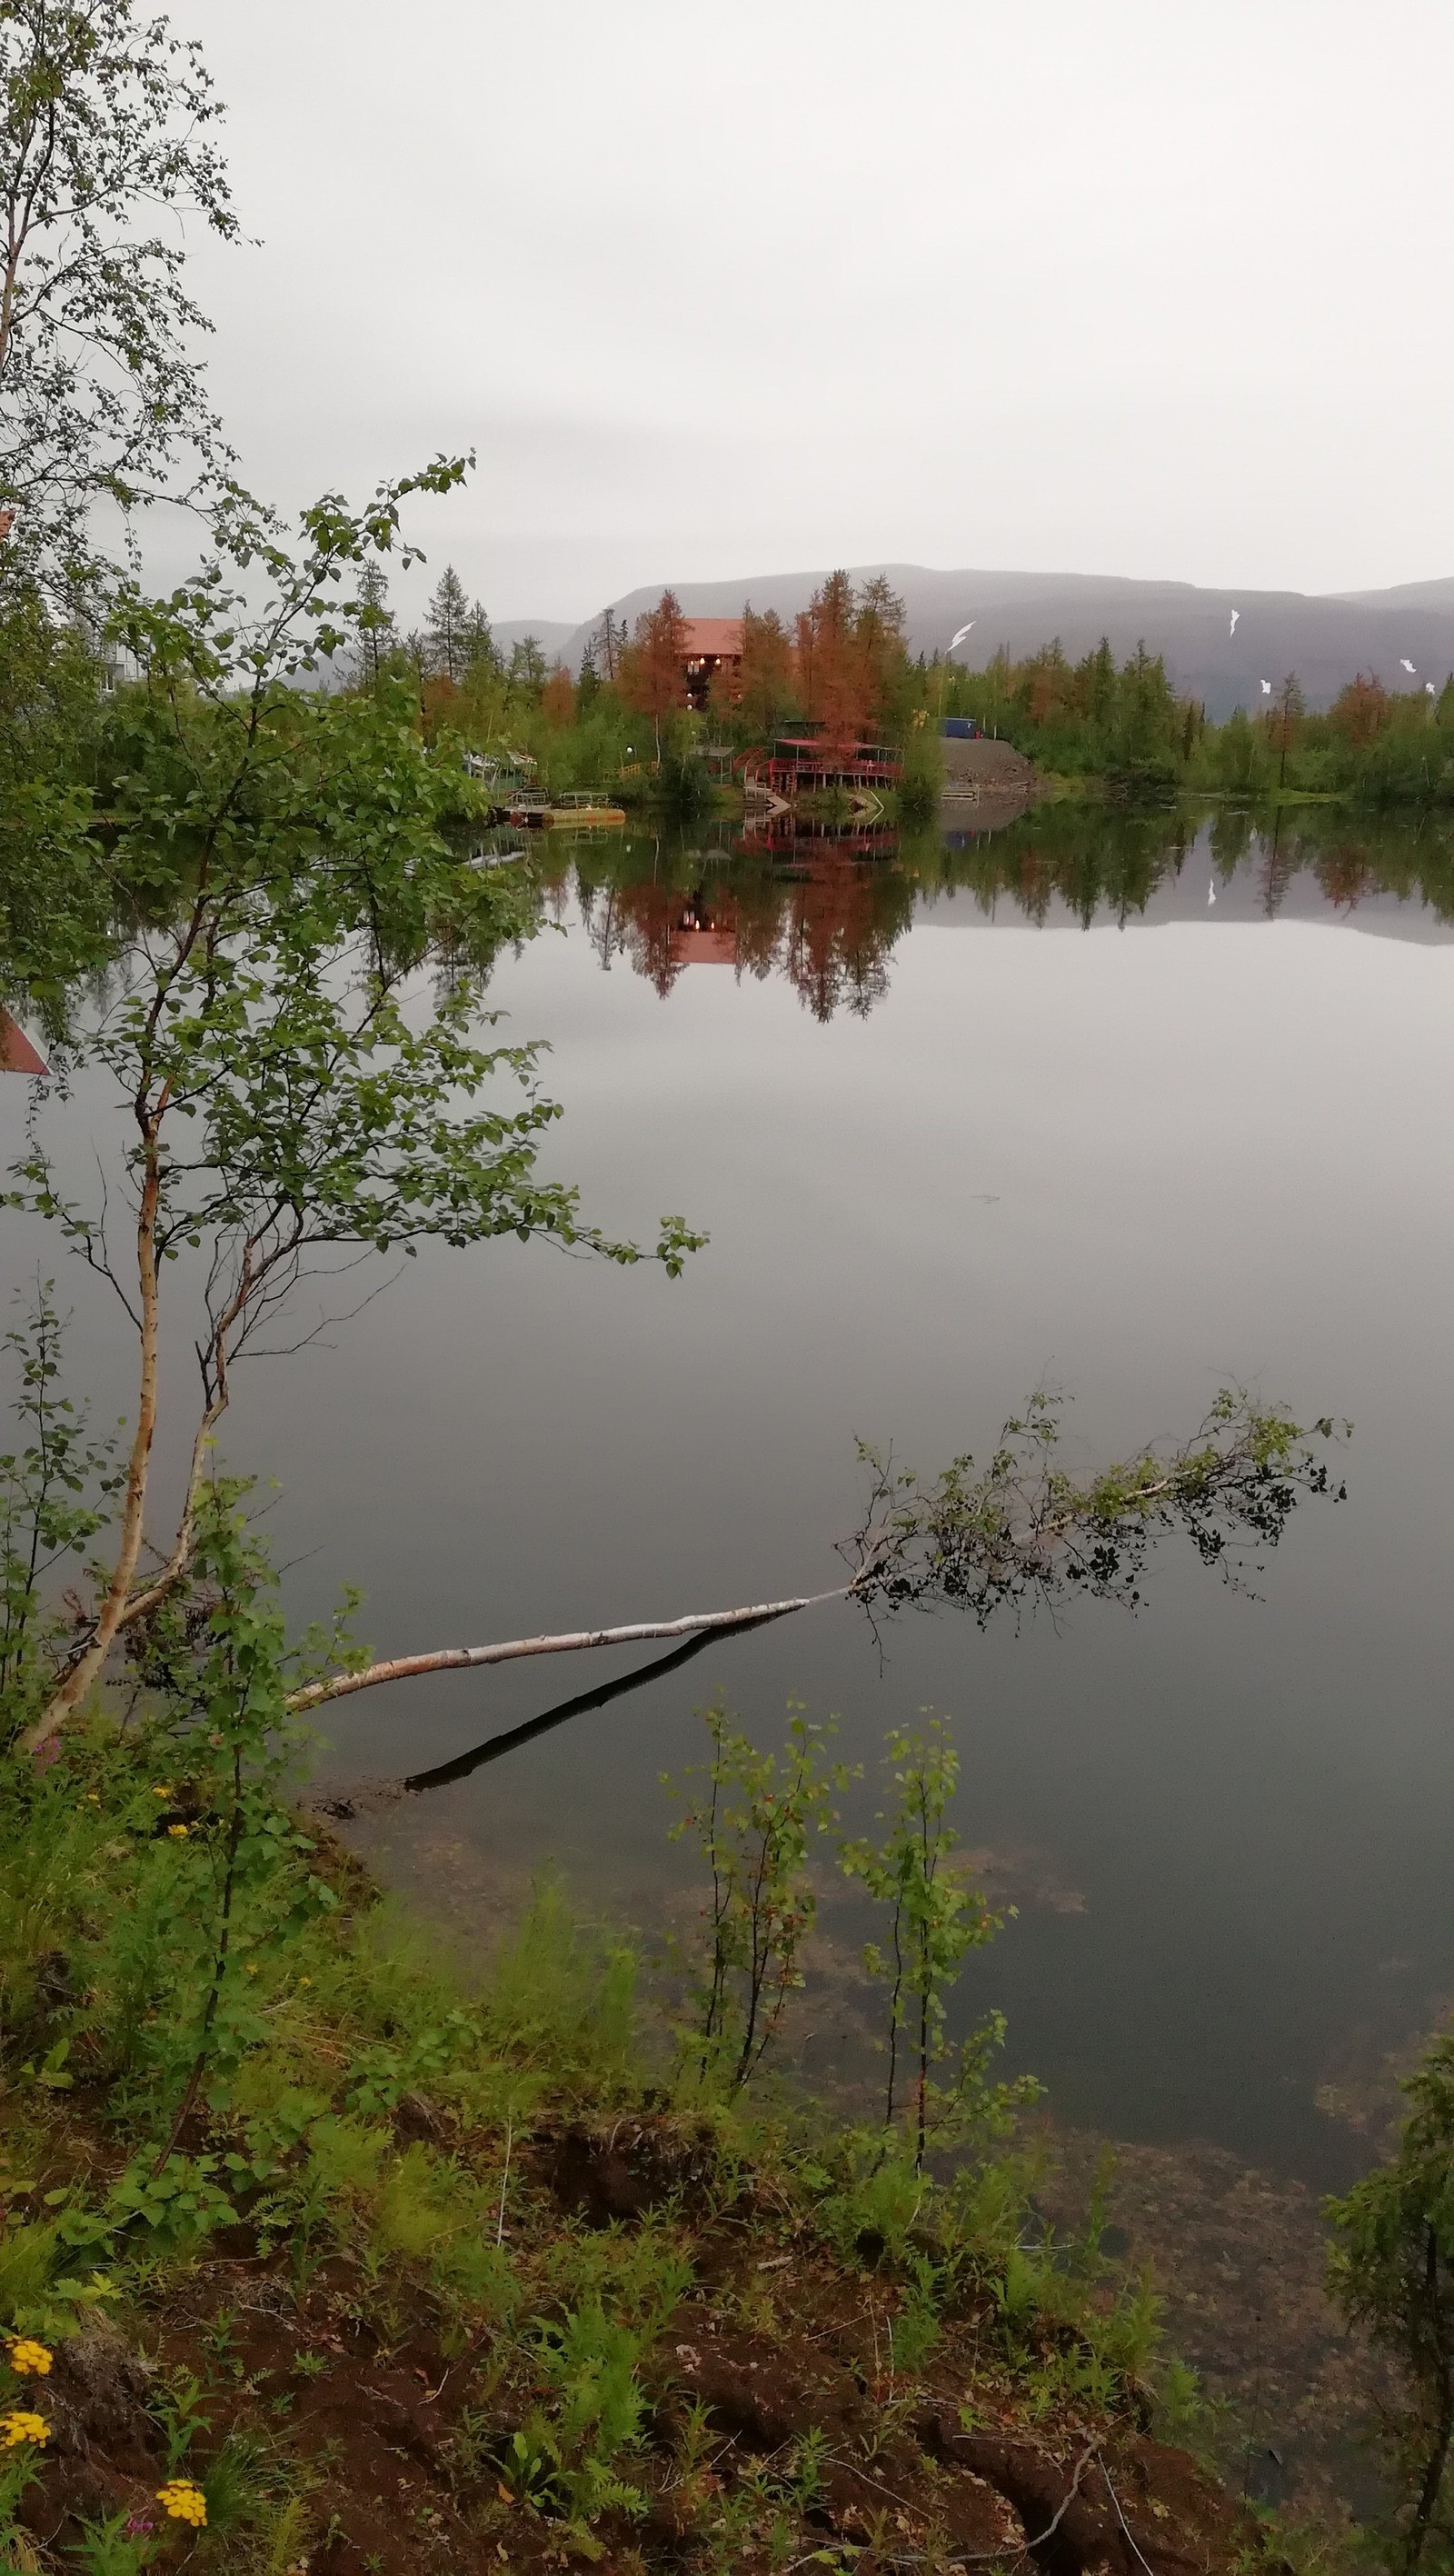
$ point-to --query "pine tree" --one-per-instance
(1291, 704)
(448, 626)
(478, 642)
(527, 665)
(606, 645)
(377, 638)
(416, 654)
(1096, 684)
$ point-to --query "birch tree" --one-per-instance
(289, 1097)
(105, 120)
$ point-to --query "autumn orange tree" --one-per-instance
(765, 676)
(1361, 710)
(850, 654)
(829, 674)
(558, 698)
(651, 669)
(879, 637)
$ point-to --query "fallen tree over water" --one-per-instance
(1022, 1531)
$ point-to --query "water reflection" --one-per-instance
(824, 905)
(1065, 864)
(443, 1774)
(822, 909)
(1006, 1159)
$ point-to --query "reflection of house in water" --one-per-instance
(804, 906)
(791, 836)
(706, 935)
(713, 651)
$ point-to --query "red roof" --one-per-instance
(712, 947)
(708, 637)
(17, 1055)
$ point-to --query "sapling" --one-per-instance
(935, 1919)
(224, 1878)
(1391, 2271)
(755, 1824)
(54, 1489)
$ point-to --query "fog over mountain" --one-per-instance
(1325, 638)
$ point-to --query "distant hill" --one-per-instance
(550, 633)
(1324, 638)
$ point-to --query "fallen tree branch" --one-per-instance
(1021, 1531)
(448, 1659)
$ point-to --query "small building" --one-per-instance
(808, 761)
(711, 646)
(505, 776)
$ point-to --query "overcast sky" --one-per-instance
(1152, 289)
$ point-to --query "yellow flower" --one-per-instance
(305, 1981)
(164, 1792)
(183, 2501)
(177, 1833)
(21, 2426)
(31, 2359)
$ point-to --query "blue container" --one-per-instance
(961, 728)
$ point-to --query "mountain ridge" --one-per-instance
(1324, 636)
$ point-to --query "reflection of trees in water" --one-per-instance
(1414, 861)
(817, 913)
(1276, 868)
(820, 912)
(1345, 875)
(842, 921)
(650, 932)
(1092, 863)
(1103, 864)
(635, 920)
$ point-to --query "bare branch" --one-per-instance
(461, 1658)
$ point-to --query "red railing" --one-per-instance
(797, 768)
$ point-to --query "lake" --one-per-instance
(1128, 1110)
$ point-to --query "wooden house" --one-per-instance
(712, 646)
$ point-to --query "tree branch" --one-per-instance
(448, 1659)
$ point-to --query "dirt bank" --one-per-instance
(985, 783)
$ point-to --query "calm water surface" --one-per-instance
(952, 1144)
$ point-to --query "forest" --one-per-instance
(844, 666)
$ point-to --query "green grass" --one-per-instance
(330, 2092)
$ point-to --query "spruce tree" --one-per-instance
(606, 645)
(376, 637)
(527, 665)
(479, 643)
(447, 630)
